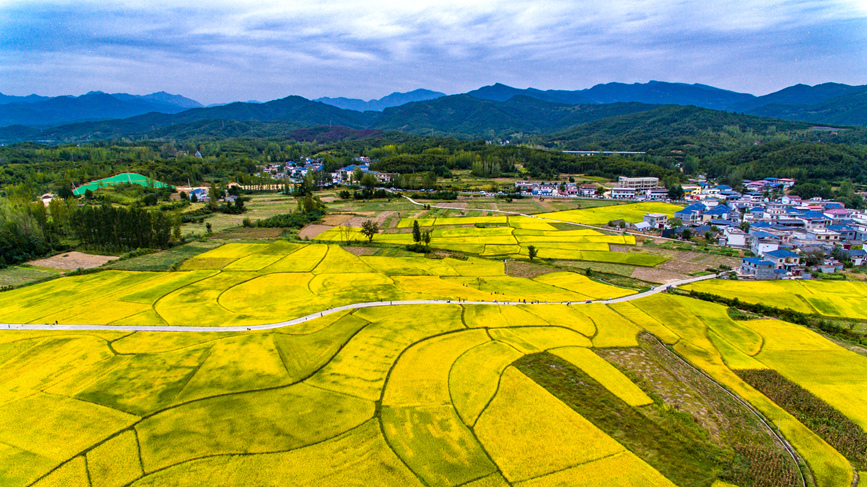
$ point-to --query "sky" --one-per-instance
(220, 51)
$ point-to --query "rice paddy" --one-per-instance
(400, 395)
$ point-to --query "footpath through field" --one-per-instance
(326, 312)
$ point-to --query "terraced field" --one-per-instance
(448, 394)
(502, 236)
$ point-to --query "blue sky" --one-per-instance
(221, 51)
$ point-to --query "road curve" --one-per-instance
(326, 312)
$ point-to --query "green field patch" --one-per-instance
(21, 467)
(236, 364)
(475, 376)
(302, 355)
(733, 356)
(146, 382)
(628, 258)
(421, 375)
(435, 444)
(115, 462)
(251, 422)
(358, 457)
(528, 432)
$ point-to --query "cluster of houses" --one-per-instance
(779, 234)
(556, 189)
(295, 172)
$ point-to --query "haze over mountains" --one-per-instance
(490, 112)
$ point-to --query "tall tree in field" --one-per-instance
(425, 236)
(416, 232)
(532, 251)
(369, 228)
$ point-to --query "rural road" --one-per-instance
(326, 312)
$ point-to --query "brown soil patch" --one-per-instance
(660, 276)
(357, 221)
(458, 205)
(516, 268)
(335, 219)
(313, 231)
(73, 260)
(682, 262)
(328, 199)
(359, 251)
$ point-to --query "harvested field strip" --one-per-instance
(835, 428)
(691, 456)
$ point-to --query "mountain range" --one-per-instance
(392, 100)
(496, 111)
(39, 111)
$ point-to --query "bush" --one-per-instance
(419, 248)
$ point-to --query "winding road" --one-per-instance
(326, 312)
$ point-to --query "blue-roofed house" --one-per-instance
(783, 258)
(719, 212)
(758, 268)
(691, 213)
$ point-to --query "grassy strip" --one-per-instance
(834, 427)
(665, 438)
(165, 260)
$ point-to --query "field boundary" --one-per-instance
(328, 311)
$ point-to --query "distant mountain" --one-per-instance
(653, 92)
(91, 106)
(467, 116)
(5, 99)
(392, 100)
(848, 109)
(799, 95)
(161, 97)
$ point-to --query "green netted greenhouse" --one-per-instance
(127, 177)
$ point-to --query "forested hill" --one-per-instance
(689, 130)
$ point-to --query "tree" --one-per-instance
(745, 226)
(369, 228)
(368, 181)
(675, 192)
(416, 232)
(65, 192)
(814, 257)
(675, 223)
(425, 237)
(88, 194)
(687, 234)
(357, 174)
(600, 190)
(194, 198)
(840, 254)
(532, 251)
